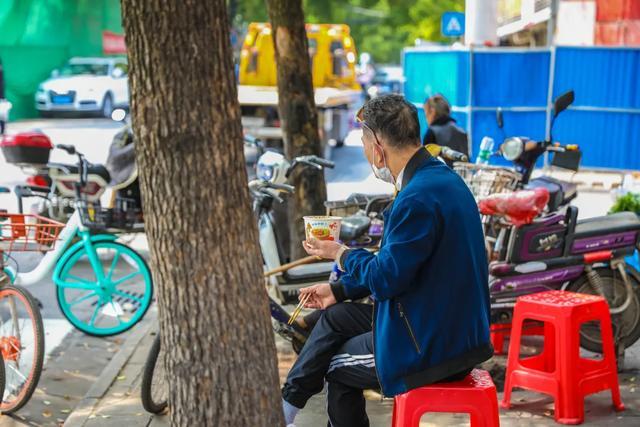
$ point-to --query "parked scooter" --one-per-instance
(524, 153)
(556, 251)
(363, 229)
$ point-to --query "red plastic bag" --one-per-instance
(520, 207)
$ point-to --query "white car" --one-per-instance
(93, 85)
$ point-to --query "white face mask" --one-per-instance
(384, 173)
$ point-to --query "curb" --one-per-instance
(85, 407)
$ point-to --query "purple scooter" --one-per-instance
(557, 251)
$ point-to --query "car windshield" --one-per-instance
(84, 69)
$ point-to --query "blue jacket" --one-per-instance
(428, 281)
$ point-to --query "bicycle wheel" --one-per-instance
(109, 307)
(21, 345)
(154, 390)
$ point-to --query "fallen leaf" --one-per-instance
(67, 397)
(121, 377)
(65, 411)
(632, 390)
(47, 414)
(46, 402)
(92, 416)
(117, 394)
(105, 416)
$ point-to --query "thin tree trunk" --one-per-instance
(298, 114)
(206, 262)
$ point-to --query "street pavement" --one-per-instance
(75, 362)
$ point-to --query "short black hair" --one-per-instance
(394, 118)
(439, 104)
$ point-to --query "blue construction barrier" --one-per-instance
(604, 119)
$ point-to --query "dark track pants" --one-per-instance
(340, 352)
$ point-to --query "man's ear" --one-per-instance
(378, 156)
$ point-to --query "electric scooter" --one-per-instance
(556, 251)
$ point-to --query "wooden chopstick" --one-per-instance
(298, 309)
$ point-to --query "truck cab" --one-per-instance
(333, 58)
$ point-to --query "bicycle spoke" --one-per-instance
(127, 277)
(95, 313)
(113, 265)
(115, 311)
(80, 279)
(83, 298)
(126, 295)
(16, 371)
(73, 285)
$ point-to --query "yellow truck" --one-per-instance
(336, 90)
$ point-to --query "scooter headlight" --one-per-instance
(272, 167)
(512, 148)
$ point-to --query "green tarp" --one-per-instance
(37, 36)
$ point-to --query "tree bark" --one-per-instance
(205, 257)
(298, 114)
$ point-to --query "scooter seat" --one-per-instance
(520, 207)
(315, 272)
(609, 224)
(99, 170)
(354, 227)
(560, 192)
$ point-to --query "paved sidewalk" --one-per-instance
(115, 397)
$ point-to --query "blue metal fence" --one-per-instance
(604, 119)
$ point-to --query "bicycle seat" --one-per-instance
(520, 207)
(99, 170)
(354, 227)
(609, 224)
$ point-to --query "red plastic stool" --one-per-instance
(500, 331)
(475, 395)
(559, 370)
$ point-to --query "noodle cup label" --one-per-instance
(322, 227)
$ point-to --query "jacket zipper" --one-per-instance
(406, 321)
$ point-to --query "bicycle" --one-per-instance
(103, 286)
(21, 329)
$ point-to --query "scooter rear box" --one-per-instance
(26, 147)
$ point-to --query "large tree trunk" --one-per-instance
(298, 114)
(205, 257)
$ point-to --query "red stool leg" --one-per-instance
(609, 353)
(513, 356)
(498, 333)
(406, 411)
(569, 401)
(485, 412)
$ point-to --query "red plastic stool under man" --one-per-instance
(475, 395)
(559, 370)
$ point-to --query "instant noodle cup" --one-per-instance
(322, 227)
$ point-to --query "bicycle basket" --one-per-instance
(484, 180)
(27, 232)
(125, 216)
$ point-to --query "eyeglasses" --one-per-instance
(360, 119)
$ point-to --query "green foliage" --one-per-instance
(380, 27)
(630, 202)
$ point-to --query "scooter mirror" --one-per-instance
(499, 118)
(562, 102)
(512, 148)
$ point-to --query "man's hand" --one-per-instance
(322, 248)
(321, 296)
